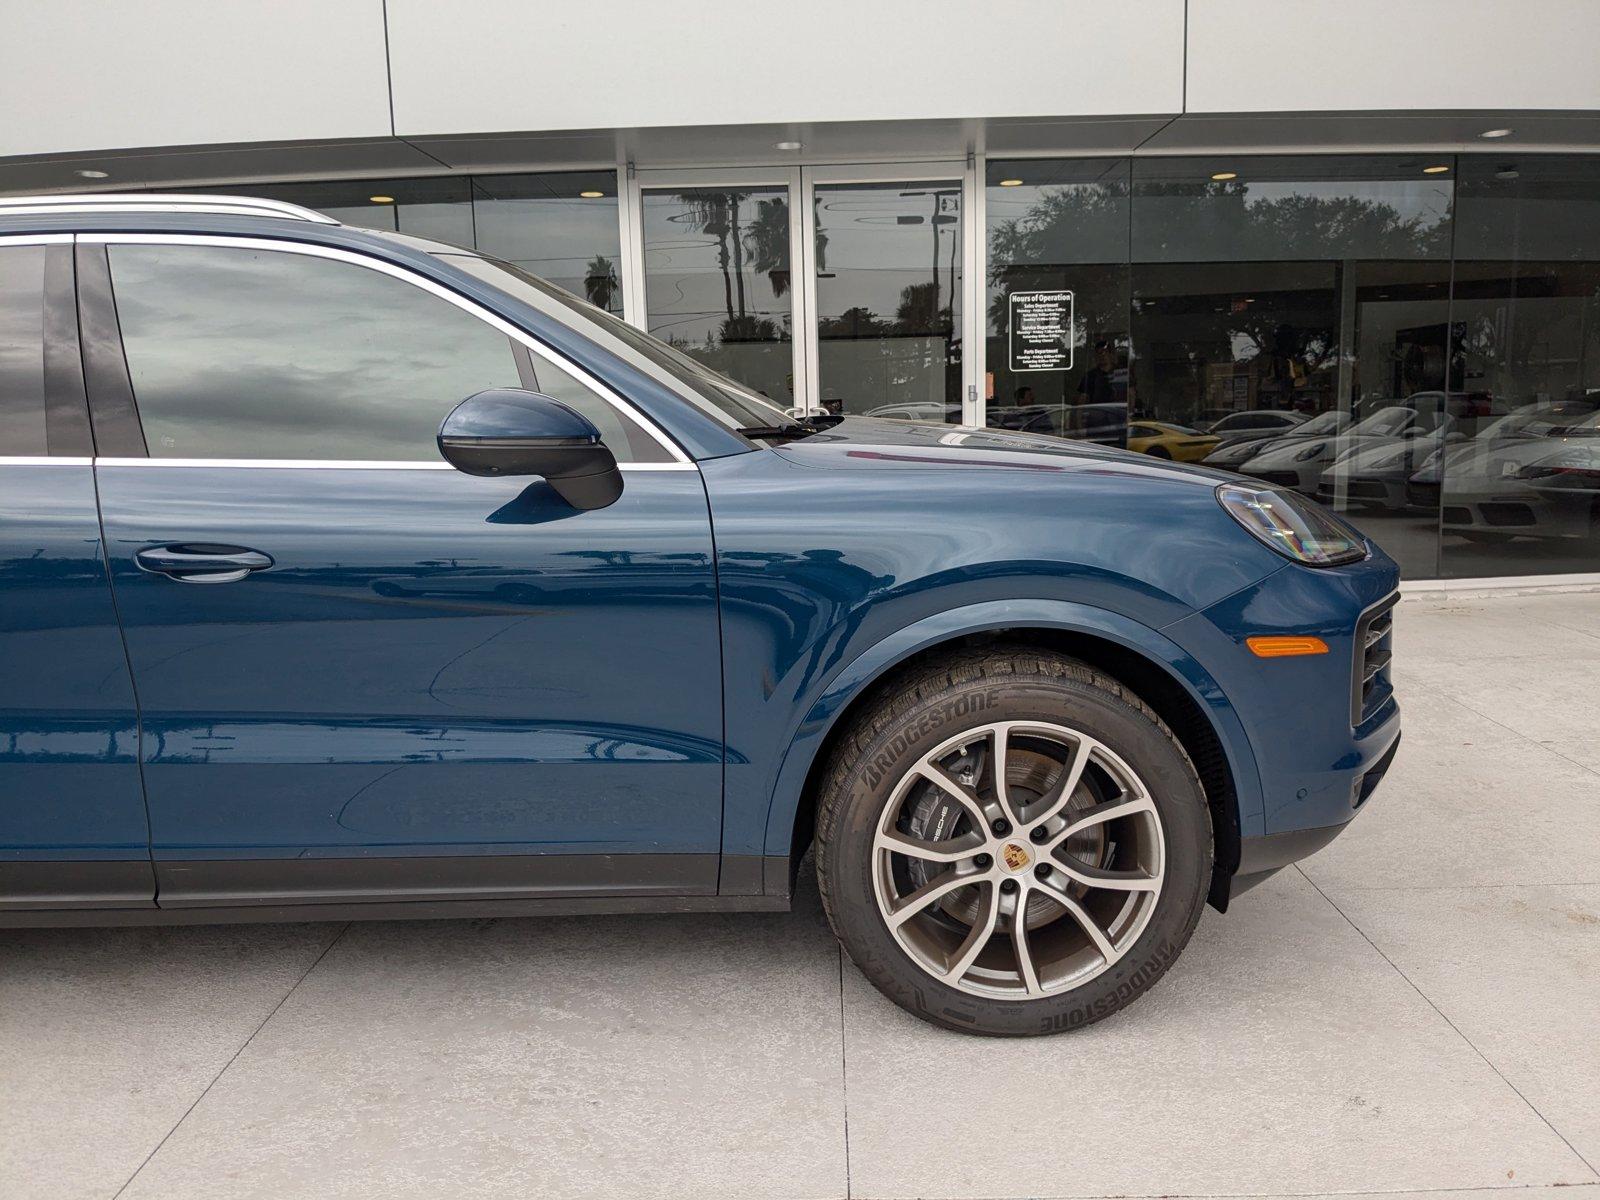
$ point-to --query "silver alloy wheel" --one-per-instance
(1037, 866)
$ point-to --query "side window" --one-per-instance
(22, 422)
(624, 437)
(235, 352)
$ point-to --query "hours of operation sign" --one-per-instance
(1041, 331)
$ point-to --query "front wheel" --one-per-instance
(1012, 844)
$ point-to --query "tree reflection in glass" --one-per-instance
(717, 281)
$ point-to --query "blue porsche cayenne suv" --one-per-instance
(349, 575)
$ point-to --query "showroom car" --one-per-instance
(1376, 476)
(1298, 463)
(350, 575)
(1534, 473)
(1255, 422)
(1160, 439)
(1232, 455)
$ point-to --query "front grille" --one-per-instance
(1422, 495)
(1501, 512)
(1282, 478)
(1371, 686)
(1373, 777)
(1366, 489)
(1457, 514)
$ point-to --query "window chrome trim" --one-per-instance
(322, 464)
(35, 239)
(162, 202)
(405, 274)
(43, 460)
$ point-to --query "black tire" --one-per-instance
(1159, 452)
(921, 714)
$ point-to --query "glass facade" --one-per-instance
(1415, 339)
(1412, 339)
(888, 268)
(718, 283)
(561, 226)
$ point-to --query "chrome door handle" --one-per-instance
(202, 562)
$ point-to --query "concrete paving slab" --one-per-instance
(1503, 630)
(1468, 802)
(107, 1036)
(1575, 611)
(1517, 970)
(1548, 699)
(582, 1057)
(1281, 1054)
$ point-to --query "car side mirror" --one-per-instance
(508, 431)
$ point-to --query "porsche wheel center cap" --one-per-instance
(1015, 857)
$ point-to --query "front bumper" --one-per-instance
(1319, 745)
(1260, 858)
(1519, 510)
(1384, 491)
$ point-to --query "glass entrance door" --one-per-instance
(718, 274)
(838, 289)
(886, 288)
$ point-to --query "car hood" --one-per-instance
(1238, 450)
(1286, 453)
(1495, 458)
(866, 443)
(1374, 453)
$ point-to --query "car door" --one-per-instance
(72, 817)
(364, 675)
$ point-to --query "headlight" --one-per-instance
(1309, 453)
(1295, 527)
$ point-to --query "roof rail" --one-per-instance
(155, 202)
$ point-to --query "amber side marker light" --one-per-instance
(1285, 647)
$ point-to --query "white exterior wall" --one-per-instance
(88, 75)
(627, 63)
(1251, 56)
(99, 74)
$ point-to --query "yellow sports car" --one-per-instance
(1161, 440)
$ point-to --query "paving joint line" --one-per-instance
(282, 1000)
(1577, 1189)
(1460, 887)
(844, 1078)
(1517, 733)
(1428, 1000)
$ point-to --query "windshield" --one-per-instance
(1329, 422)
(1385, 420)
(1535, 420)
(719, 397)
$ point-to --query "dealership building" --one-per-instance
(1352, 248)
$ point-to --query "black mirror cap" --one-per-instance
(511, 432)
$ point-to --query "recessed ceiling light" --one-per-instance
(1496, 133)
(1011, 183)
(381, 199)
(1224, 176)
(93, 174)
(1507, 173)
(1435, 170)
(786, 145)
(591, 195)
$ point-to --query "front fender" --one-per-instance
(833, 695)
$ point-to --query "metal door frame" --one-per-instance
(632, 215)
(956, 171)
(801, 181)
